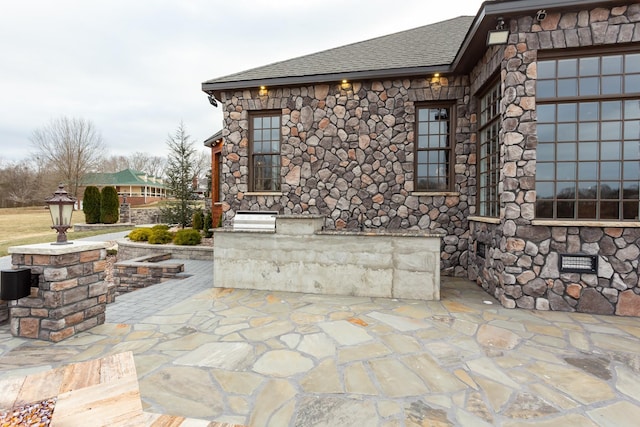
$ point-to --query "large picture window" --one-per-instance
(265, 152)
(489, 152)
(588, 155)
(433, 148)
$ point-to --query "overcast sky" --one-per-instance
(134, 67)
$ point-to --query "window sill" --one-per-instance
(487, 219)
(435, 193)
(264, 193)
(581, 223)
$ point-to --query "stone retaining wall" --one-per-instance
(128, 250)
(145, 271)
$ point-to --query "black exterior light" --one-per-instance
(61, 208)
(498, 36)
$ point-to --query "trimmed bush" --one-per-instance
(91, 201)
(208, 225)
(109, 208)
(141, 234)
(197, 219)
(187, 237)
(164, 227)
(160, 237)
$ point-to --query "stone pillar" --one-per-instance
(71, 295)
(125, 213)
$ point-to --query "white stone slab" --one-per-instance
(400, 323)
(221, 355)
(345, 333)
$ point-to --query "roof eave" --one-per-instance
(208, 87)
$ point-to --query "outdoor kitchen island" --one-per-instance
(299, 256)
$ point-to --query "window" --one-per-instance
(489, 152)
(433, 148)
(588, 155)
(265, 152)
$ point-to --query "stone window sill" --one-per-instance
(487, 219)
(578, 223)
(435, 193)
(263, 193)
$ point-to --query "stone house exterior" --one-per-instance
(526, 154)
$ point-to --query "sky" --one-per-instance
(134, 68)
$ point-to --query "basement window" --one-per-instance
(578, 263)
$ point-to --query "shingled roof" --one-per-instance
(419, 50)
(124, 177)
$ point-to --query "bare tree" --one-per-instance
(71, 146)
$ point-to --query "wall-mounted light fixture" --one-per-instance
(263, 91)
(498, 36)
(435, 79)
(345, 84)
(541, 15)
(212, 100)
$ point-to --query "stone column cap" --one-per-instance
(50, 249)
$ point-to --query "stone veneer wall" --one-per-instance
(350, 150)
(525, 260)
(139, 216)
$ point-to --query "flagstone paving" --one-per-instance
(284, 359)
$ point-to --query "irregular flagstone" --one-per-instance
(628, 382)
(270, 330)
(487, 368)
(560, 400)
(419, 414)
(437, 379)
(184, 391)
(146, 363)
(186, 343)
(237, 382)
(228, 329)
(597, 366)
(464, 418)
(282, 363)
(526, 406)
(583, 387)
(401, 344)
(291, 340)
(616, 343)
(476, 406)
(497, 394)
(362, 352)
(400, 323)
(357, 380)
(221, 355)
(320, 411)
(493, 336)
(619, 414)
(569, 420)
(323, 379)
(282, 417)
(318, 345)
(345, 333)
(395, 379)
(272, 397)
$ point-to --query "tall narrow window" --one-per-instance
(265, 152)
(588, 154)
(489, 153)
(433, 148)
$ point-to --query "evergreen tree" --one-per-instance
(91, 205)
(109, 208)
(180, 178)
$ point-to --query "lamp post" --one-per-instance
(61, 208)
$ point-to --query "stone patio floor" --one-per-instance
(284, 359)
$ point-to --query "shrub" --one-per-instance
(208, 224)
(109, 207)
(187, 237)
(160, 237)
(164, 227)
(91, 205)
(140, 234)
(197, 219)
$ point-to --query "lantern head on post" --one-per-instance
(61, 208)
